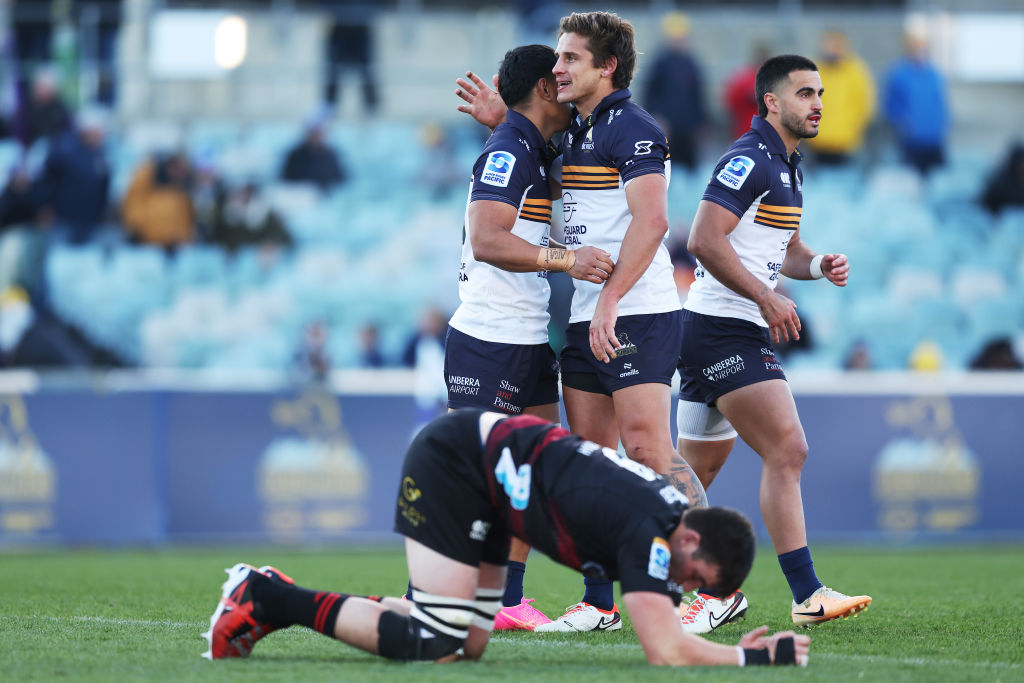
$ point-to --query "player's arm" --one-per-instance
(801, 263)
(484, 104)
(709, 243)
(647, 198)
(656, 622)
(490, 235)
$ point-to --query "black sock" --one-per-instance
(283, 604)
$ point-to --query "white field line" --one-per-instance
(542, 642)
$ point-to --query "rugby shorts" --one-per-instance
(443, 501)
(502, 377)
(649, 355)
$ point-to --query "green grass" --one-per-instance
(940, 614)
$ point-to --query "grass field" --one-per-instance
(940, 614)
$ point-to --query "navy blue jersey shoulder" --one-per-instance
(618, 134)
(514, 163)
(755, 168)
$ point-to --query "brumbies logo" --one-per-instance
(498, 169)
(657, 565)
(736, 172)
(628, 347)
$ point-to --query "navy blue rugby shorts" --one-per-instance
(505, 378)
(722, 354)
(649, 355)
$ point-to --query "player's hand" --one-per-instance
(482, 102)
(836, 268)
(592, 264)
(780, 314)
(758, 640)
(603, 342)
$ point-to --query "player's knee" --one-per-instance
(407, 639)
(437, 626)
(791, 451)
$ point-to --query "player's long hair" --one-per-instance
(607, 35)
(726, 539)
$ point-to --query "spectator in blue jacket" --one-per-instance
(76, 179)
(916, 106)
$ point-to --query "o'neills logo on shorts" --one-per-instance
(470, 386)
(724, 368)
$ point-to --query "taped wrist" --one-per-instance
(556, 259)
(785, 651)
(758, 657)
(816, 272)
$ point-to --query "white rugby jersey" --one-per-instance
(616, 143)
(499, 306)
(756, 181)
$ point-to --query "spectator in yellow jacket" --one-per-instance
(157, 208)
(849, 101)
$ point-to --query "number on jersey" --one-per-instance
(516, 482)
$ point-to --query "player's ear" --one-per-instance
(687, 540)
(771, 102)
(609, 66)
(546, 88)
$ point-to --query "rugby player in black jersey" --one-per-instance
(471, 481)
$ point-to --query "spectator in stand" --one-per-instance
(997, 354)
(674, 91)
(157, 208)
(43, 114)
(313, 160)
(858, 357)
(312, 360)
(370, 355)
(24, 233)
(245, 218)
(849, 100)
(739, 97)
(424, 353)
(76, 179)
(350, 48)
(1005, 187)
(916, 106)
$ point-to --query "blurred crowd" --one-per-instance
(59, 190)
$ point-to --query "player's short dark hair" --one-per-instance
(608, 35)
(726, 539)
(773, 72)
(520, 70)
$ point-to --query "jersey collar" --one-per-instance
(527, 130)
(580, 124)
(772, 139)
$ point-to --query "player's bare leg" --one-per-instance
(490, 577)
(705, 457)
(642, 413)
(764, 414)
(591, 415)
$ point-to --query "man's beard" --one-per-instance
(798, 126)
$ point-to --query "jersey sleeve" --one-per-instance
(739, 178)
(644, 562)
(638, 147)
(502, 173)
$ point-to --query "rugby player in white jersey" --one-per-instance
(622, 344)
(745, 234)
(497, 355)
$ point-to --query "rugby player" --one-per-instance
(622, 344)
(471, 479)
(745, 235)
(497, 354)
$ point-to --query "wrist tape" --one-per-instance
(559, 260)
